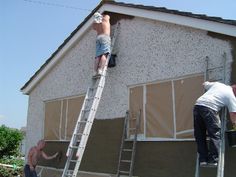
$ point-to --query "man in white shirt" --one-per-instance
(206, 118)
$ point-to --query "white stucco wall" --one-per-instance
(148, 51)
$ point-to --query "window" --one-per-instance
(61, 117)
(166, 108)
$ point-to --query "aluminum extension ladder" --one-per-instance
(125, 166)
(221, 161)
(85, 120)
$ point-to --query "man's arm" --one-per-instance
(106, 18)
(208, 84)
(45, 156)
(233, 119)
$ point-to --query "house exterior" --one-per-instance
(161, 64)
(22, 145)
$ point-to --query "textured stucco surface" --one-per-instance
(148, 51)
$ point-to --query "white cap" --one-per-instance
(97, 17)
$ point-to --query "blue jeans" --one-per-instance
(28, 172)
(206, 120)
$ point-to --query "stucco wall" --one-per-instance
(147, 51)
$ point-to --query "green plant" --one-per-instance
(9, 141)
(9, 172)
(17, 168)
(12, 161)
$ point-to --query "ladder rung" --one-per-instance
(127, 150)
(126, 161)
(124, 172)
(69, 173)
(133, 119)
(89, 107)
(90, 98)
(209, 166)
(97, 77)
(211, 69)
(132, 128)
(82, 121)
(92, 88)
(73, 147)
(86, 110)
(78, 134)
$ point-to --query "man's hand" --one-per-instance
(55, 155)
(31, 168)
(234, 127)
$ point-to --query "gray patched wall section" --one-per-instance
(148, 51)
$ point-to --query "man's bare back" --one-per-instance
(104, 26)
(103, 41)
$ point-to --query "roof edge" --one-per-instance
(38, 75)
(203, 22)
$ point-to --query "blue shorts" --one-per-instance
(103, 45)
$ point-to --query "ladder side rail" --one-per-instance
(197, 166)
(220, 168)
(135, 143)
(91, 116)
(224, 67)
(206, 77)
(73, 140)
(87, 128)
(72, 152)
(80, 118)
(221, 160)
(82, 113)
(67, 165)
(122, 142)
(98, 93)
(92, 111)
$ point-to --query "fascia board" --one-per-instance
(175, 19)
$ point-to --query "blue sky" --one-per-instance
(31, 30)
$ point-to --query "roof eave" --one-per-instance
(197, 23)
(188, 21)
(57, 55)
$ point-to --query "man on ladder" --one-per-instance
(89, 108)
(205, 112)
(103, 42)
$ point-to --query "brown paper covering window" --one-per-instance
(74, 107)
(186, 93)
(159, 110)
(136, 103)
(61, 117)
(63, 120)
(52, 120)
